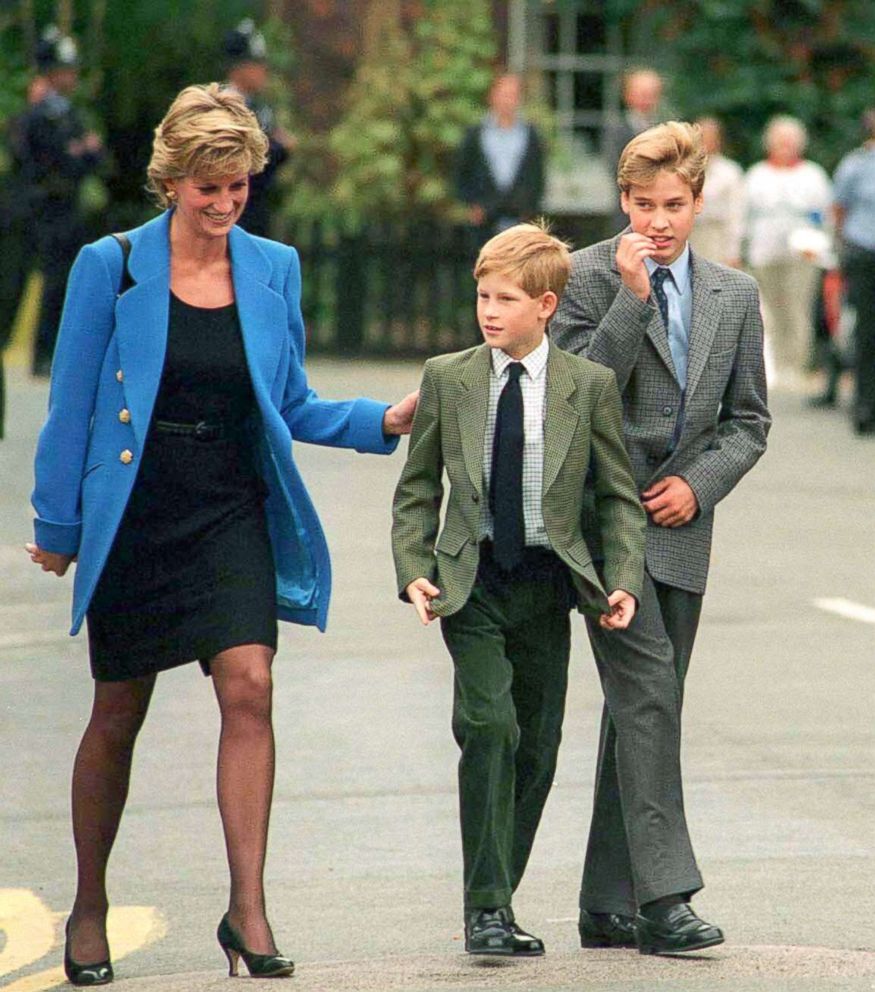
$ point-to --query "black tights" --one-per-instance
(101, 776)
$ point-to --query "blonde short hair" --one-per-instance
(674, 147)
(208, 132)
(529, 255)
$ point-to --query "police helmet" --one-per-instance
(56, 51)
(245, 43)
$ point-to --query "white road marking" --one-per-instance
(848, 609)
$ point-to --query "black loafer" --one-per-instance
(674, 929)
(606, 930)
(494, 931)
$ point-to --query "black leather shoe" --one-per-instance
(606, 930)
(494, 931)
(99, 973)
(258, 965)
(673, 929)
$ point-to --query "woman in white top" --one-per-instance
(785, 194)
(719, 227)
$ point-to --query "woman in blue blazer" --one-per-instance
(165, 469)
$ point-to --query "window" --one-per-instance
(572, 51)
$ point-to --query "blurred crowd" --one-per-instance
(807, 238)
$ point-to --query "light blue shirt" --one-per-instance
(504, 148)
(854, 190)
(679, 292)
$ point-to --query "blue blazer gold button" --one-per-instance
(120, 376)
(124, 416)
(126, 457)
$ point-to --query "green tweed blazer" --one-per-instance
(583, 431)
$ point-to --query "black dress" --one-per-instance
(191, 570)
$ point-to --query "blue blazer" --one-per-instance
(105, 376)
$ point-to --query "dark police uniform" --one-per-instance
(53, 168)
(17, 246)
(245, 44)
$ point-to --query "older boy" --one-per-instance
(684, 337)
(515, 423)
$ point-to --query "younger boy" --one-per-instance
(516, 424)
(684, 337)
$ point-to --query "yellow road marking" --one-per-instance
(129, 929)
(24, 328)
(29, 927)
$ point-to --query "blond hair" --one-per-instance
(208, 132)
(675, 146)
(529, 255)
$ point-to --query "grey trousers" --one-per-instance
(639, 848)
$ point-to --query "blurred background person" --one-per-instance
(500, 163)
(854, 211)
(248, 73)
(17, 245)
(642, 96)
(719, 227)
(786, 198)
(57, 153)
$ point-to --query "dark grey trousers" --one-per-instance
(510, 644)
(639, 848)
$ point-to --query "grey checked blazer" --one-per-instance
(582, 430)
(726, 418)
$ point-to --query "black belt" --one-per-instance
(535, 558)
(201, 431)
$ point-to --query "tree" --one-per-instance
(420, 83)
(745, 60)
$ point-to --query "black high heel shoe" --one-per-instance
(259, 965)
(85, 974)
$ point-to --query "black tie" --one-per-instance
(657, 281)
(506, 489)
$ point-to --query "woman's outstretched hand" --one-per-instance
(50, 561)
(398, 419)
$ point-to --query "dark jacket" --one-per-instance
(475, 184)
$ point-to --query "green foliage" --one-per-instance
(411, 100)
(745, 60)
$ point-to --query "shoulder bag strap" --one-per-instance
(126, 280)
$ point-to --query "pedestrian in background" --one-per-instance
(718, 231)
(786, 197)
(499, 171)
(165, 468)
(248, 73)
(57, 152)
(855, 221)
(684, 337)
(17, 244)
(642, 96)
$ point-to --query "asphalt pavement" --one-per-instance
(364, 865)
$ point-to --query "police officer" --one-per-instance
(57, 152)
(17, 243)
(246, 53)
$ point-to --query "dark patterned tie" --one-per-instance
(506, 480)
(657, 282)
